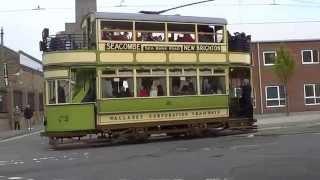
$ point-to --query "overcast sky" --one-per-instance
(23, 26)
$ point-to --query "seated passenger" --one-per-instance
(187, 38)
(143, 92)
(206, 87)
(160, 90)
(153, 91)
(179, 39)
(191, 88)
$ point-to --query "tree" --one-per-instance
(284, 69)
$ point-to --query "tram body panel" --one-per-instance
(146, 110)
(71, 117)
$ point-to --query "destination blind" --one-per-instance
(140, 47)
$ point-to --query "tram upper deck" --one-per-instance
(117, 38)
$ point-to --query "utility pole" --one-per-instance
(4, 81)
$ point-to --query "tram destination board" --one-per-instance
(140, 47)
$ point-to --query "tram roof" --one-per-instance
(160, 18)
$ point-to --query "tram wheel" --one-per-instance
(53, 141)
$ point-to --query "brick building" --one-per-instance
(304, 86)
(25, 79)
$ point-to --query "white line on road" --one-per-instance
(20, 137)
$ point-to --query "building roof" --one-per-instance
(286, 41)
(161, 18)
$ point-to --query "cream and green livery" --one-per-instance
(137, 75)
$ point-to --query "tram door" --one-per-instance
(240, 102)
(83, 83)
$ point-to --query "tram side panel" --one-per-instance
(70, 118)
(122, 113)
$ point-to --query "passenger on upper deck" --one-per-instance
(187, 38)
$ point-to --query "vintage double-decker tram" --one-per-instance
(135, 75)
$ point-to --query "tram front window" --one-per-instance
(51, 88)
(117, 87)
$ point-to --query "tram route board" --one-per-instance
(141, 47)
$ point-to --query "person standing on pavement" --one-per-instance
(17, 117)
(28, 113)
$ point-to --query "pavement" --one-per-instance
(294, 119)
(13, 133)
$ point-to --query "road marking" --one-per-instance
(20, 137)
(14, 178)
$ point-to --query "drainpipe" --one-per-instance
(260, 84)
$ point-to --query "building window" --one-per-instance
(269, 58)
(312, 94)
(31, 100)
(310, 56)
(18, 99)
(3, 97)
(275, 96)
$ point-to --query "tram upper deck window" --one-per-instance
(150, 31)
(210, 33)
(183, 83)
(181, 32)
(116, 30)
(152, 84)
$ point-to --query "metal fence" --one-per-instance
(64, 42)
(239, 42)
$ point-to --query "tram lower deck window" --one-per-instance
(51, 88)
(213, 85)
(183, 86)
(117, 87)
(58, 91)
(151, 86)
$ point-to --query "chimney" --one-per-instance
(82, 8)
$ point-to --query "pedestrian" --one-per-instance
(17, 117)
(28, 113)
(245, 101)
